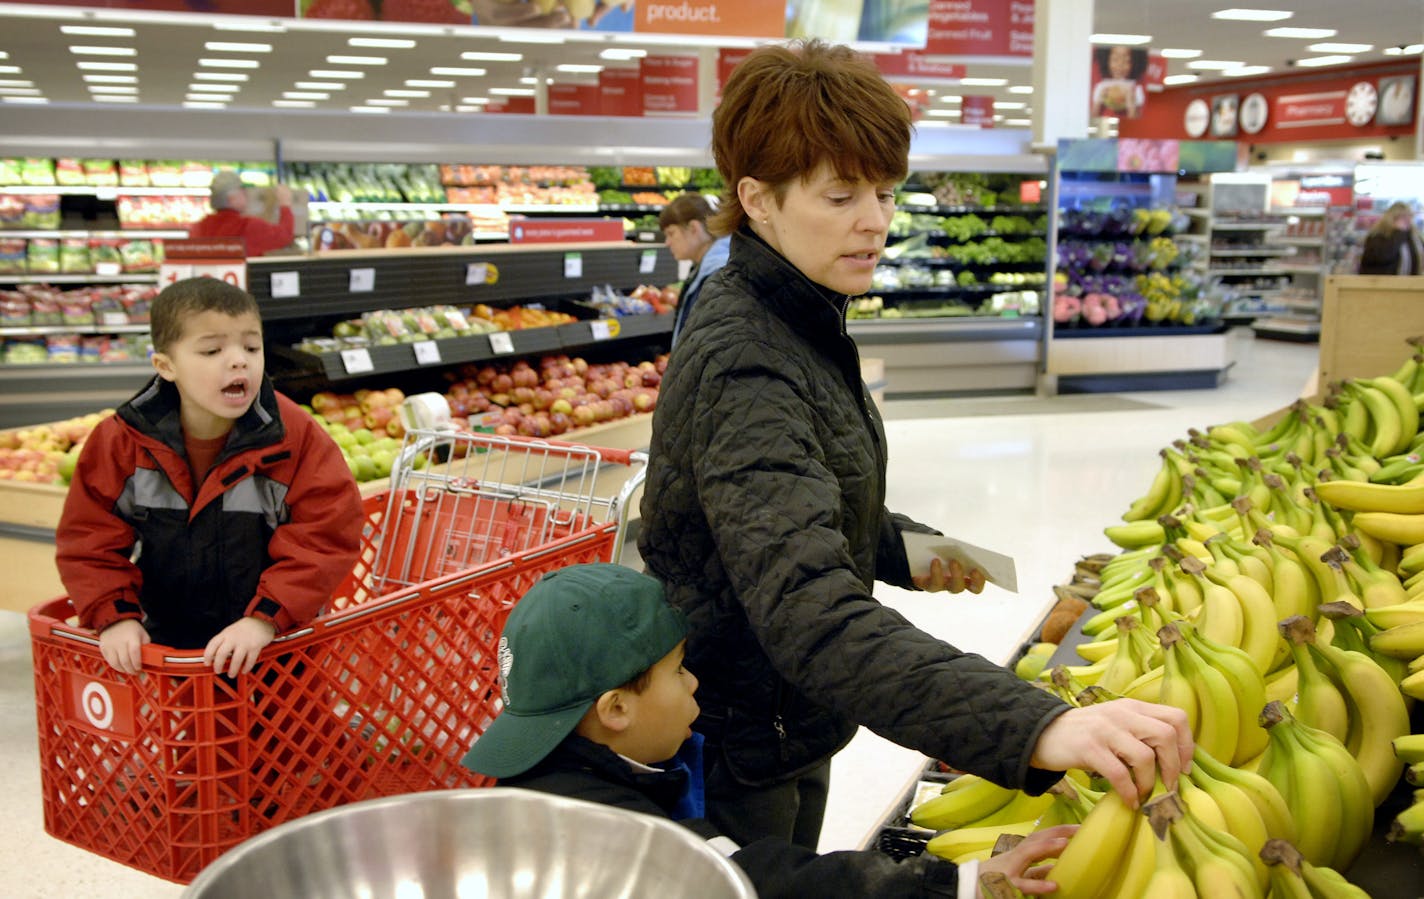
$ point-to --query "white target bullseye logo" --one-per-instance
(97, 705)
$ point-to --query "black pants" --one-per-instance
(792, 810)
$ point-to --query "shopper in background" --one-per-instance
(1393, 245)
(764, 511)
(684, 225)
(211, 512)
(598, 705)
(229, 217)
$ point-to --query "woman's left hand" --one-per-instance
(950, 576)
(1021, 863)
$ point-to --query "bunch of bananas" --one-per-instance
(1271, 583)
(1292, 877)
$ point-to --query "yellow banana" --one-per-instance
(1219, 727)
(1240, 817)
(1396, 527)
(1136, 534)
(1357, 807)
(956, 844)
(1319, 703)
(1378, 715)
(1305, 781)
(965, 799)
(1176, 689)
(1386, 429)
(1270, 804)
(1022, 807)
(1239, 433)
(1259, 637)
(1293, 590)
(1246, 686)
(1136, 861)
(1160, 497)
(1366, 497)
(1283, 863)
(1148, 687)
(1283, 684)
(1413, 685)
(1169, 879)
(1403, 641)
(1385, 617)
(1218, 868)
(1122, 668)
(1200, 804)
(1087, 864)
(1327, 883)
(1406, 412)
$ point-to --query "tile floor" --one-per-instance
(1035, 478)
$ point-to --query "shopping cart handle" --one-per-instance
(606, 453)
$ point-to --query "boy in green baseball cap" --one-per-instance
(597, 706)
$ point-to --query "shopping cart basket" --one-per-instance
(382, 694)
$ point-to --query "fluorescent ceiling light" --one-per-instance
(1130, 39)
(1410, 50)
(983, 82)
(1021, 89)
(205, 95)
(457, 71)
(951, 98)
(97, 31)
(114, 98)
(221, 76)
(427, 82)
(529, 79)
(942, 113)
(34, 101)
(4, 55)
(1009, 104)
(1246, 70)
(1179, 53)
(479, 101)
(88, 66)
(481, 56)
(532, 38)
(1252, 15)
(387, 102)
(575, 68)
(1340, 48)
(112, 89)
(1180, 79)
(369, 110)
(1018, 123)
(1303, 33)
(335, 73)
(215, 88)
(383, 42)
(1219, 64)
(622, 54)
(512, 91)
(103, 51)
(463, 108)
(320, 85)
(16, 82)
(305, 95)
(395, 92)
(339, 60)
(243, 24)
(1313, 61)
(9, 70)
(294, 104)
(229, 63)
(235, 47)
(20, 91)
(203, 104)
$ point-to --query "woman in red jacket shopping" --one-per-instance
(229, 217)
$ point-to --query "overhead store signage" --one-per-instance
(727, 60)
(980, 28)
(1306, 107)
(575, 99)
(269, 8)
(1313, 190)
(839, 22)
(1128, 155)
(914, 64)
(566, 231)
(669, 85)
(977, 111)
(621, 91)
(1119, 81)
(738, 18)
(511, 105)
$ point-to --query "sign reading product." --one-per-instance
(718, 17)
(566, 231)
(980, 28)
(669, 85)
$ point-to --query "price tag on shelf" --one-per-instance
(476, 273)
(110, 319)
(501, 342)
(426, 352)
(106, 193)
(363, 280)
(604, 328)
(573, 265)
(357, 361)
(286, 285)
(647, 262)
(108, 269)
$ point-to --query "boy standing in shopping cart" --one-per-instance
(211, 511)
(597, 706)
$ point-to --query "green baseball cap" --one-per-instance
(579, 632)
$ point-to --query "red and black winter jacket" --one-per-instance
(269, 533)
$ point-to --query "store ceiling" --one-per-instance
(171, 64)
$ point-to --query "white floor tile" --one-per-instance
(1036, 478)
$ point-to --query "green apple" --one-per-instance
(346, 440)
(364, 468)
(383, 461)
(364, 435)
(68, 463)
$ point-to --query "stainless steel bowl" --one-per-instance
(491, 843)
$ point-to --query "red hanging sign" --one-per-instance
(980, 28)
(621, 92)
(727, 60)
(912, 64)
(575, 99)
(669, 85)
(977, 111)
(565, 230)
(511, 106)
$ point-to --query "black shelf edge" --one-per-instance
(1067, 333)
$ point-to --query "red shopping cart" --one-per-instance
(383, 694)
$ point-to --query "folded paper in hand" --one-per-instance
(921, 549)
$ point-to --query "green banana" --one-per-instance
(1319, 703)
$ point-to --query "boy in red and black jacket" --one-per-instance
(211, 511)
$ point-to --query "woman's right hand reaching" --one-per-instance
(1021, 863)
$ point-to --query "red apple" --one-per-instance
(502, 383)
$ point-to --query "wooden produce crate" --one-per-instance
(1363, 324)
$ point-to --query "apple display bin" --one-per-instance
(382, 694)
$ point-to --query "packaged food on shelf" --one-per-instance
(11, 172)
(141, 256)
(12, 211)
(74, 256)
(14, 309)
(25, 351)
(133, 173)
(39, 212)
(69, 173)
(36, 172)
(42, 256)
(13, 255)
(62, 348)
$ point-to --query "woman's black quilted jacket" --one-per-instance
(764, 515)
